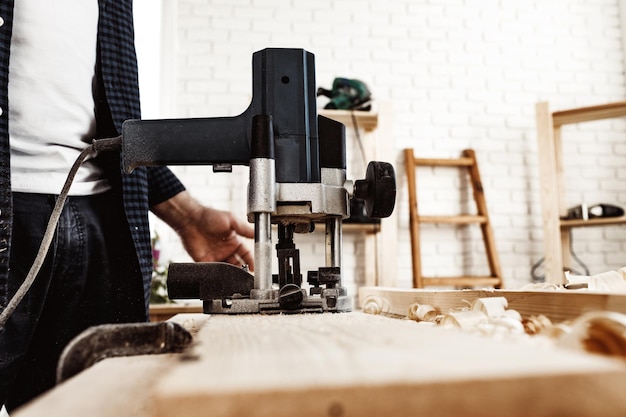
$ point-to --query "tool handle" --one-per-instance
(186, 142)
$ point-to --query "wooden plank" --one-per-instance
(386, 242)
(162, 312)
(382, 240)
(586, 114)
(414, 217)
(111, 388)
(450, 162)
(481, 207)
(564, 235)
(114, 387)
(454, 219)
(342, 365)
(556, 305)
(362, 365)
(566, 224)
(557, 140)
(365, 119)
(467, 281)
(549, 188)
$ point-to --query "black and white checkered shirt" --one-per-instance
(118, 100)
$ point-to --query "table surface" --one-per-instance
(338, 365)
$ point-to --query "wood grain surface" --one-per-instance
(342, 365)
(363, 365)
(556, 305)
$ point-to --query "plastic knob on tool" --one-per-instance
(377, 190)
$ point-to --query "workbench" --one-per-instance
(341, 365)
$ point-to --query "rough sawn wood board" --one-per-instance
(341, 365)
(556, 305)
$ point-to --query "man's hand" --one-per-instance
(208, 235)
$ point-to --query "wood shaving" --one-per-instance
(597, 332)
(536, 324)
(487, 315)
(376, 305)
(492, 307)
(422, 312)
(467, 320)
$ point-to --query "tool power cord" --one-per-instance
(98, 145)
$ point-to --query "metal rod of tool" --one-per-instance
(333, 242)
(263, 253)
(262, 197)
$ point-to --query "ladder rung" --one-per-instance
(450, 162)
(458, 219)
(468, 281)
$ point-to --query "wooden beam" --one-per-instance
(587, 114)
(450, 162)
(162, 312)
(414, 218)
(556, 305)
(454, 219)
(362, 365)
(342, 365)
(465, 281)
(550, 194)
(481, 208)
(122, 386)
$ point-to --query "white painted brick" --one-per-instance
(461, 74)
(226, 2)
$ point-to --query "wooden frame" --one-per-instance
(552, 182)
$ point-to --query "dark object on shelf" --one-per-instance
(593, 212)
(347, 94)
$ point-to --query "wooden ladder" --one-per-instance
(467, 161)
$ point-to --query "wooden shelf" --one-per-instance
(360, 227)
(568, 224)
(367, 120)
(552, 180)
(587, 114)
(380, 242)
(368, 228)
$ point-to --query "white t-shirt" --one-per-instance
(51, 103)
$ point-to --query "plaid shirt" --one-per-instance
(119, 101)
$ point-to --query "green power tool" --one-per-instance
(347, 94)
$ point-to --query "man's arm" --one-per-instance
(208, 235)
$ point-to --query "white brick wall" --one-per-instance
(460, 74)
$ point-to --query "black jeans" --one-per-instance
(90, 276)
